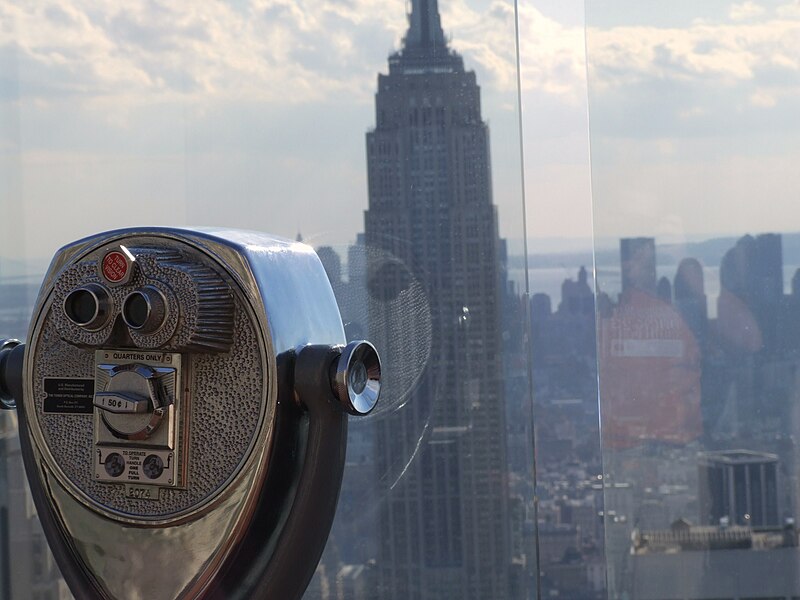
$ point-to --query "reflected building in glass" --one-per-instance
(441, 459)
(638, 260)
(738, 487)
(753, 272)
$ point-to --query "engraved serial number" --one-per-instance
(142, 492)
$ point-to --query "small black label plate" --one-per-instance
(74, 396)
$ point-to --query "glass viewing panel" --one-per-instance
(695, 144)
(571, 562)
(362, 130)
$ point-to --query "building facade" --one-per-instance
(739, 487)
(440, 460)
(638, 262)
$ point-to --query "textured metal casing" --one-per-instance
(240, 401)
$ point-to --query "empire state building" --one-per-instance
(443, 524)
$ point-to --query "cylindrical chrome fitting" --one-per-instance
(89, 306)
(356, 378)
(145, 310)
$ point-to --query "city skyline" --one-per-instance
(569, 531)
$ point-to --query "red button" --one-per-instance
(115, 266)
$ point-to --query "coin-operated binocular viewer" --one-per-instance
(183, 400)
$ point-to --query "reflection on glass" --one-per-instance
(252, 115)
(445, 522)
(432, 270)
(692, 147)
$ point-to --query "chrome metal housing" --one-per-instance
(251, 532)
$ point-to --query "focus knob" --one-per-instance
(356, 378)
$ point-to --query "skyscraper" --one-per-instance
(638, 261)
(740, 486)
(690, 296)
(753, 272)
(444, 525)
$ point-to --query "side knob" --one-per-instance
(356, 378)
(349, 376)
(11, 357)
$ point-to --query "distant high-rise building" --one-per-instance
(664, 290)
(441, 460)
(753, 269)
(753, 272)
(638, 261)
(541, 307)
(690, 296)
(796, 284)
(577, 297)
(332, 263)
(738, 487)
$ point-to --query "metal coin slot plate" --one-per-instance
(138, 395)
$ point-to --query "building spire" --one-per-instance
(424, 27)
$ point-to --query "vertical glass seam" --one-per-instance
(527, 297)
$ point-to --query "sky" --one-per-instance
(252, 113)
(694, 117)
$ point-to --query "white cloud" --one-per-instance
(119, 56)
(789, 11)
(714, 54)
(552, 56)
(732, 81)
(104, 51)
(693, 113)
(762, 99)
(268, 50)
(745, 11)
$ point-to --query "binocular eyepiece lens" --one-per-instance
(357, 377)
(82, 306)
(144, 310)
(88, 306)
(137, 309)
